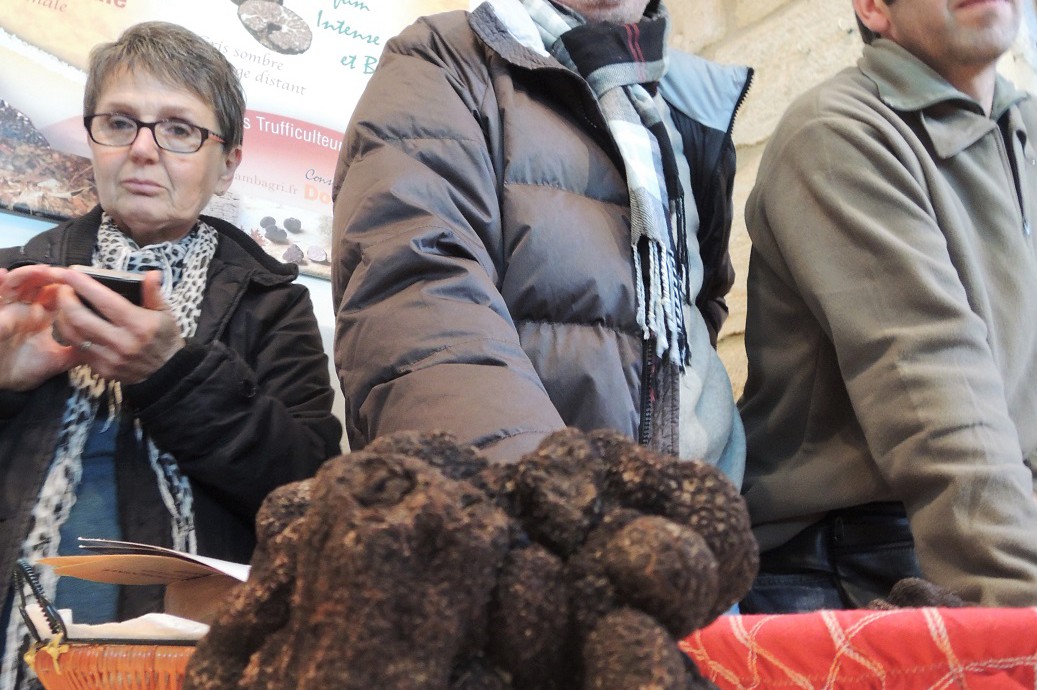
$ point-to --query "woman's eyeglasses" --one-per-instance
(115, 129)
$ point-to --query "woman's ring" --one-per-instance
(85, 345)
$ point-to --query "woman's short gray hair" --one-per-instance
(179, 57)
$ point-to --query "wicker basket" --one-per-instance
(81, 664)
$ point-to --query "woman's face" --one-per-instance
(155, 195)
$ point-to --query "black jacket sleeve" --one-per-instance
(251, 411)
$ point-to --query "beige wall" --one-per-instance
(792, 45)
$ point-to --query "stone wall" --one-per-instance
(792, 45)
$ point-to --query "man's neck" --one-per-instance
(978, 83)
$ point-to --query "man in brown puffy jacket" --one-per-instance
(531, 224)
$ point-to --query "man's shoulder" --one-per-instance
(848, 97)
(441, 23)
(433, 33)
(848, 89)
(446, 40)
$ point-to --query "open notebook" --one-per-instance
(195, 585)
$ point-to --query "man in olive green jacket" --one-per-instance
(891, 328)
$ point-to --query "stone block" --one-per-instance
(749, 11)
(792, 50)
(697, 23)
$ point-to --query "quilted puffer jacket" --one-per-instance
(483, 277)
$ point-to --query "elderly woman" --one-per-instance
(167, 422)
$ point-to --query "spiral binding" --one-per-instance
(26, 575)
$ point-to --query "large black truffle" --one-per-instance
(415, 563)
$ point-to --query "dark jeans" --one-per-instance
(777, 593)
(846, 560)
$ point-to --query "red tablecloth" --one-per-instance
(975, 648)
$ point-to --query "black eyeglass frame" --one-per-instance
(206, 133)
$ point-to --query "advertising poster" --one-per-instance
(303, 64)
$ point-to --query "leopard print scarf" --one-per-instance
(184, 264)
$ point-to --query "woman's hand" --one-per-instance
(120, 341)
(29, 355)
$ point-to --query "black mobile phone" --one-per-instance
(123, 282)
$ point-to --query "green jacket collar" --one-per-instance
(953, 120)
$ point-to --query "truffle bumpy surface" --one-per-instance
(415, 563)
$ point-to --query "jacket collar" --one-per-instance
(952, 119)
(238, 264)
(705, 91)
(712, 96)
(507, 29)
(73, 241)
(70, 243)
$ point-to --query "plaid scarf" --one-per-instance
(623, 65)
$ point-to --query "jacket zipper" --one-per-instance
(1016, 173)
(750, 73)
